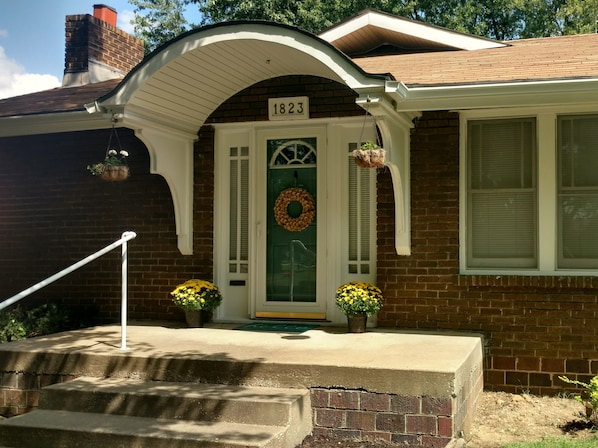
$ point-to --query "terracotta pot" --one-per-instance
(115, 173)
(357, 323)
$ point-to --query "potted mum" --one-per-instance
(198, 299)
(113, 168)
(358, 301)
(369, 155)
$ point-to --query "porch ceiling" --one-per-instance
(181, 84)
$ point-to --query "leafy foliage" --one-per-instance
(113, 158)
(157, 21)
(591, 390)
(18, 323)
(194, 295)
(359, 297)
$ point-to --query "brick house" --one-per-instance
(483, 218)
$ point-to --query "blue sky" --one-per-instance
(32, 40)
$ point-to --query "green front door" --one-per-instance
(290, 268)
(291, 243)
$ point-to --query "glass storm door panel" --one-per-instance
(291, 243)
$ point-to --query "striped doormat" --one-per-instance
(277, 327)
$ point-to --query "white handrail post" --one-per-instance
(123, 317)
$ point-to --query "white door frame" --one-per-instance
(242, 291)
(292, 309)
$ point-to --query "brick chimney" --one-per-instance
(96, 50)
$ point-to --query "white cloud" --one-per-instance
(15, 81)
(124, 19)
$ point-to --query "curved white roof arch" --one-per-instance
(181, 83)
(168, 97)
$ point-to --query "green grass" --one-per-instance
(557, 443)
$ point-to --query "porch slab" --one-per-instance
(438, 374)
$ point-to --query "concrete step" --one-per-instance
(64, 429)
(114, 412)
(181, 401)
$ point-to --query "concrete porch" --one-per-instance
(401, 386)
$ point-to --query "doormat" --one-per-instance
(277, 327)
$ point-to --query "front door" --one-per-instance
(294, 217)
(291, 244)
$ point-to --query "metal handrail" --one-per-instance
(126, 236)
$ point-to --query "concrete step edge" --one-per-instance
(246, 405)
(195, 390)
(52, 425)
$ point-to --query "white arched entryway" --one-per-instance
(168, 97)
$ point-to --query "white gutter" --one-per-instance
(52, 123)
(476, 96)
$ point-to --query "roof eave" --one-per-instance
(50, 123)
(493, 95)
(409, 27)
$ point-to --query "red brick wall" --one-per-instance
(536, 328)
(397, 419)
(88, 37)
(326, 99)
(55, 213)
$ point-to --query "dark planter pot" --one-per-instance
(357, 323)
(197, 319)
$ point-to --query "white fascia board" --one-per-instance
(518, 94)
(412, 28)
(346, 28)
(52, 123)
(343, 68)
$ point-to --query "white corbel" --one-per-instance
(171, 156)
(395, 129)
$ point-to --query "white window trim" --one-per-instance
(546, 127)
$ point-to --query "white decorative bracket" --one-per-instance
(395, 130)
(171, 156)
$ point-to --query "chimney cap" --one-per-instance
(105, 13)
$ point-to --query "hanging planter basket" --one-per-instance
(115, 173)
(114, 167)
(369, 155)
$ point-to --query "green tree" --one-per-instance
(578, 16)
(496, 19)
(158, 21)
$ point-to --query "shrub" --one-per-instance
(17, 323)
(591, 390)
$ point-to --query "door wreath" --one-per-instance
(308, 209)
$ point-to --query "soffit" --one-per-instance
(371, 29)
(181, 84)
(367, 39)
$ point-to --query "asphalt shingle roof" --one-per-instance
(552, 58)
(60, 99)
(549, 58)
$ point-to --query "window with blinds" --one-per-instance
(577, 205)
(239, 210)
(360, 211)
(502, 194)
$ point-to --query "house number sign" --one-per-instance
(292, 108)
